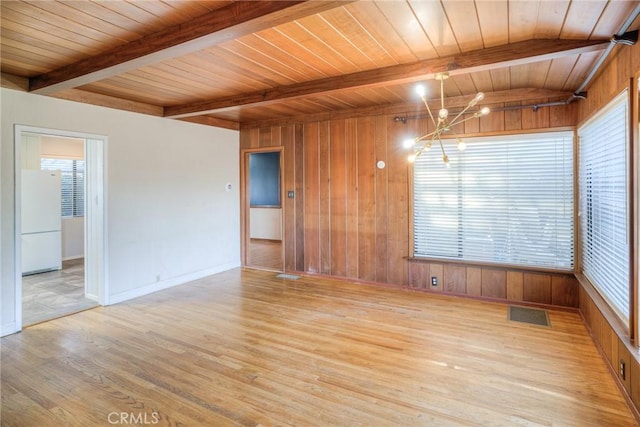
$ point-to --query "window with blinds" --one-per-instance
(72, 183)
(504, 200)
(604, 215)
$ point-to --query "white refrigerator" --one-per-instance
(41, 221)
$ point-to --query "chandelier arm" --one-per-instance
(440, 131)
(433, 135)
(425, 136)
(426, 104)
(444, 127)
(453, 122)
(441, 146)
(474, 116)
(442, 93)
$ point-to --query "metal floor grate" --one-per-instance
(532, 316)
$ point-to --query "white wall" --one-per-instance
(72, 237)
(169, 217)
(265, 223)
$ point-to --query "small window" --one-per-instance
(72, 184)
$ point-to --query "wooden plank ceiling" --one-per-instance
(230, 63)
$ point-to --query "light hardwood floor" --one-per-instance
(265, 254)
(53, 294)
(245, 348)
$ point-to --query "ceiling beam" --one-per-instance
(212, 121)
(86, 97)
(11, 81)
(526, 95)
(218, 26)
(473, 61)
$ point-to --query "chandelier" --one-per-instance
(442, 124)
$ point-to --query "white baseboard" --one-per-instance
(8, 329)
(169, 283)
(69, 258)
(92, 297)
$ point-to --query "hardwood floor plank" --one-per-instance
(265, 253)
(246, 348)
(19, 410)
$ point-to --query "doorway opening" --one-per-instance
(262, 174)
(59, 213)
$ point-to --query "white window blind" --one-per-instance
(72, 183)
(603, 154)
(505, 200)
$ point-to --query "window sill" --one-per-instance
(511, 267)
(609, 315)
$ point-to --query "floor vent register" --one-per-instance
(533, 316)
(288, 276)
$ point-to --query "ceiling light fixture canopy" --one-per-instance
(442, 123)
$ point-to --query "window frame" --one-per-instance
(634, 132)
(511, 266)
(625, 321)
(77, 204)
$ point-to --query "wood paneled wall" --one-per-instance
(348, 218)
(614, 345)
(612, 338)
(613, 78)
(351, 219)
(496, 283)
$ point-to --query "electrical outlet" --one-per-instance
(622, 370)
(434, 281)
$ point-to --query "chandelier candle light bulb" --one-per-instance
(442, 124)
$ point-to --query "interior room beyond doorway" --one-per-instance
(52, 227)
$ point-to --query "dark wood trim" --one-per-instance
(298, 138)
(634, 139)
(244, 202)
